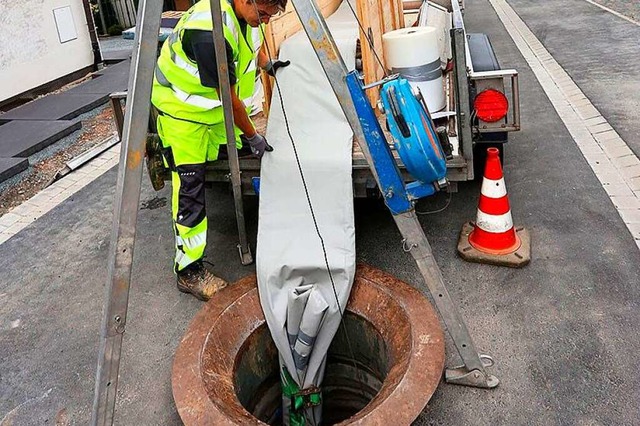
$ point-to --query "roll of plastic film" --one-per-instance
(414, 54)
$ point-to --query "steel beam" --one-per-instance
(225, 96)
(125, 215)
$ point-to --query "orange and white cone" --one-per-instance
(493, 238)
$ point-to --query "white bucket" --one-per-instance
(414, 54)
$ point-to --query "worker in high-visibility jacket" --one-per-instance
(190, 117)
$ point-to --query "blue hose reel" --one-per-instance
(415, 140)
(412, 128)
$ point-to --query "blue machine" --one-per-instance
(415, 140)
(415, 137)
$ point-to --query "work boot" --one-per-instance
(197, 280)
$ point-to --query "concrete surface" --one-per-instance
(630, 9)
(60, 106)
(49, 198)
(115, 49)
(119, 68)
(102, 84)
(599, 51)
(562, 330)
(11, 166)
(115, 56)
(22, 138)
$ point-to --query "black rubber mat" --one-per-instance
(21, 138)
(61, 106)
(102, 84)
(12, 166)
(119, 68)
(111, 57)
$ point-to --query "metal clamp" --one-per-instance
(478, 378)
(381, 82)
(246, 258)
(311, 397)
(229, 176)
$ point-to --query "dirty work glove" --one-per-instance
(258, 144)
(272, 66)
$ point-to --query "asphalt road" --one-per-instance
(562, 330)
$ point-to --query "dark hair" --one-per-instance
(281, 4)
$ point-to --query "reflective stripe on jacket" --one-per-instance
(177, 90)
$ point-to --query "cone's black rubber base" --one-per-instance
(517, 259)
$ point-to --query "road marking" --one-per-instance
(618, 14)
(35, 207)
(10, 416)
(614, 164)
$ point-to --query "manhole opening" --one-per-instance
(350, 382)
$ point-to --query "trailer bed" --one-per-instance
(363, 181)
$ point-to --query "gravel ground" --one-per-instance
(108, 44)
(97, 125)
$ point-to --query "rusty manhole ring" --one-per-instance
(216, 363)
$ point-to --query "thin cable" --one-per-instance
(313, 216)
(366, 35)
(438, 210)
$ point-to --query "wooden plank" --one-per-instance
(267, 88)
(398, 13)
(182, 5)
(285, 25)
(366, 33)
(376, 16)
(282, 27)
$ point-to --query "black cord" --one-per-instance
(424, 213)
(366, 35)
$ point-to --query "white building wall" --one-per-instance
(31, 52)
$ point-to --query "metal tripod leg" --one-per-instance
(225, 95)
(125, 215)
(473, 372)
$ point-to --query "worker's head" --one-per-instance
(256, 12)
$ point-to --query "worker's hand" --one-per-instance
(258, 144)
(272, 66)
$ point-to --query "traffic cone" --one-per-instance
(493, 239)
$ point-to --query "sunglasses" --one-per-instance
(262, 14)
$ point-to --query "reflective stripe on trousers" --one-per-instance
(191, 235)
(189, 249)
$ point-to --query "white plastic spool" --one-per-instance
(414, 54)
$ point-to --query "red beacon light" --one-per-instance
(491, 105)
